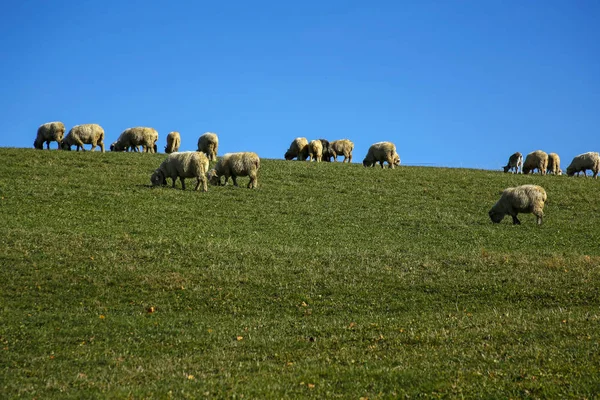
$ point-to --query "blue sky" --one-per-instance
(451, 83)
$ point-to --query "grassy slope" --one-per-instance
(329, 280)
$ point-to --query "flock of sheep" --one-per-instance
(195, 164)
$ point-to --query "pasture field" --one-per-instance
(328, 281)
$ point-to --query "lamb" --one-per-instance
(583, 162)
(341, 147)
(187, 164)
(520, 199)
(553, 166)
(536, 159)
(515, 162)
(315, 150)
(380, 152)
(208, 143)
(298, 149)
(134, 137)
(84, 134)
(49, 132)
(173, 142)
(234, 165)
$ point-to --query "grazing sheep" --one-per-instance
(49, 132)
(515, 162)
(315, 150)
(208, 143)
(234, 165)
(298, 149)
(173, 142)
(134, 137)
(326, 151)
(187, 164)
(84, 134)
(520, 199)
(553, 166)
(583, 162)
(380, 152)
(341, 147)
(536, 159)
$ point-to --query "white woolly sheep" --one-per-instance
(583, 162)
(536, 160)
(84, 134)
(520, 199)
(298, 149)
(49, 132)
(515, 162)
(187, 164)
(553, 166)
(341, 147)
(234, 165)
(208, 143)
(134, 137)
(173, 142)
(380, 152)
(315, 150)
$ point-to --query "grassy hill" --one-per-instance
(329, 280)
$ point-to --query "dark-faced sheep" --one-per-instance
(84, 134)
(298, 149)
(553, 166)
(234, 165)
(173, 142)
(208, 143)
(187, 164)
(326, 151)
(134, 137)
(515, 163)
(520, 199)
(315, 150)
(382, 152)
(536, 160)
(583, 162)
(341, 147)
(49, 132)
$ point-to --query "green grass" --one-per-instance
(328, 281)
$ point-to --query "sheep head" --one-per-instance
(158, 178)
(213, 178)
(496, 216)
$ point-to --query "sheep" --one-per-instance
(553, 166)
(380, 152)
(49, 132)
(520, 199)
(298, 149)
(315, 150)
(84, 134)
(187, 164)
(134, 137)
(173, 142)
(326, 151)
(515, 162)
(234, 165)
(208, 143)
(536, 159)
(583, 162)
(341, 147)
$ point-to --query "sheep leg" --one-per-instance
(234, 179)
(79, 144)
(182, 179)
(515, 220)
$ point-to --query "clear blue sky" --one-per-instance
(452, 83)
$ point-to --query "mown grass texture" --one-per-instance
(329, 280)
